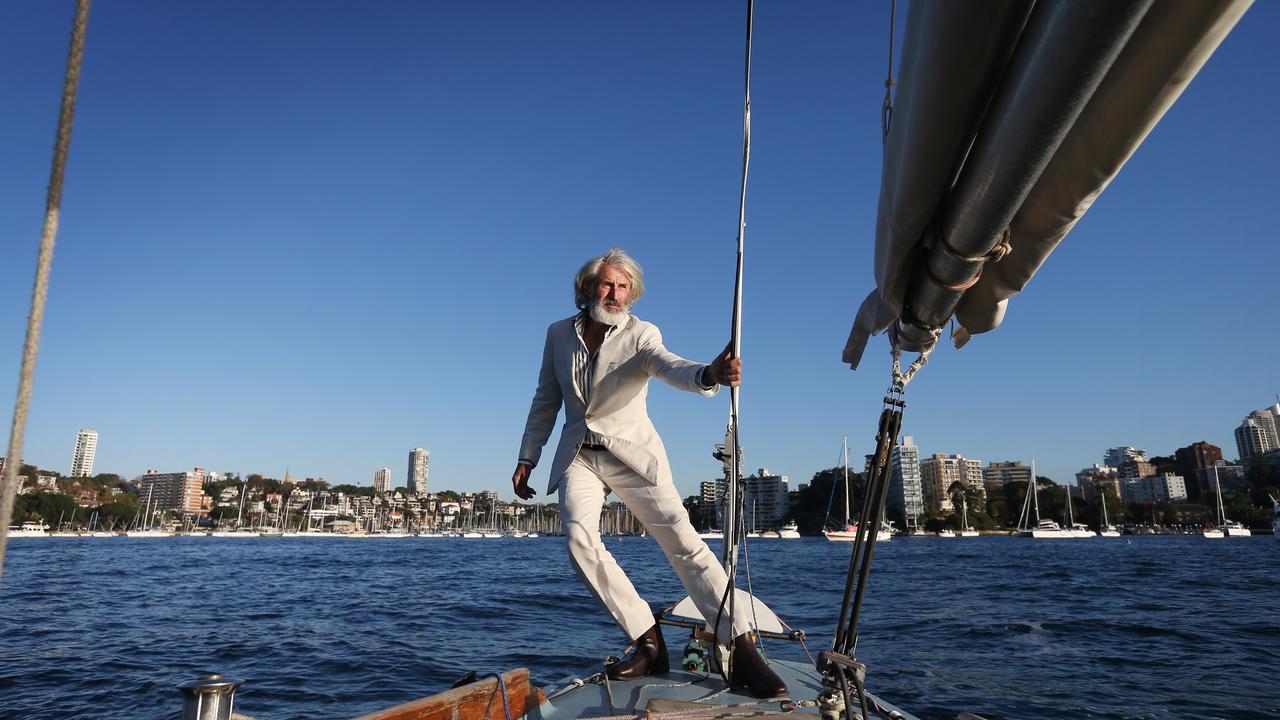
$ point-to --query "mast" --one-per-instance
(732, 447)
(240, 512)
(1035, 493)
(1071, 516)
(1222, 512)
(844, 445)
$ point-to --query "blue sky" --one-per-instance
(317, 235)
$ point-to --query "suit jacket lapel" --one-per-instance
(609, 354)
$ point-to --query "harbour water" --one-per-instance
(1141, 627)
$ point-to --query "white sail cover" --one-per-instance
(955, 55)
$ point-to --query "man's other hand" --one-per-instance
(724, 370)
(520, 482)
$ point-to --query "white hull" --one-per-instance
(968, 533)
(1236, 531)
(1213, 534)
(148, 533)
(1109, 533)
(29, 529)
(1048, 534)
(946, 533)
(789, 534)
(847, 536)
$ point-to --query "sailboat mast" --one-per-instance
(1217, 484)
(1035, 493)
(845, 451)
(1071, 516)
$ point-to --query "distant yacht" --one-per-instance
(1225, 526)
(847, 531)
(966, 530)
(29, 529)
(1043, 529)
(1106, 529)
(790, 531)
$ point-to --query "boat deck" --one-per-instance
(685, 695)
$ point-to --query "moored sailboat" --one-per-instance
(1226, 527)
(1106, 529)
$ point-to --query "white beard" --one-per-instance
(602, 314)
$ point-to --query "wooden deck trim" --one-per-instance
(481, 700)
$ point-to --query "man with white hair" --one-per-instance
(597, 364)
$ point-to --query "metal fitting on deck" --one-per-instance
(208, 697)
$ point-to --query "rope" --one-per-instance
(44, 265)
(502, 686)
(900, 379)
(886, 111)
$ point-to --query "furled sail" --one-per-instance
(1010, 119)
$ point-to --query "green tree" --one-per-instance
(43, 506)
(118, 513)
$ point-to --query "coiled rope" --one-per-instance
(44, 264)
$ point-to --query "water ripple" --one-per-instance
(1002, 627)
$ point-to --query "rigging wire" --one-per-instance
(44, 265)
(886, 111)
(733, 529)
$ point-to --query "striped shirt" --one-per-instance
(584, 368)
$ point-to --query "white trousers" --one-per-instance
(583, 489)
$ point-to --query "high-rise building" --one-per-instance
(1192, 461)
(710, 493)
(998, 474)
(906, 494)
(381, 480)
(1231, 477)
(939, 472)
(1135, 469)
(180, 491)
(416, 481)
(1167, 487)
(1117, 456)
(1252, 439)
(767, 500)
(1269, 420)
(1094, 480)
(86, 448)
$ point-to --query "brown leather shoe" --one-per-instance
(649, 657)
(750, 670)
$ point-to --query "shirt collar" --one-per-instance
(580, 322)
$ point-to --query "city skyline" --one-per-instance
(297, 195)
(1113, 458)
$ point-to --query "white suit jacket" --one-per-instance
(618, 412)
